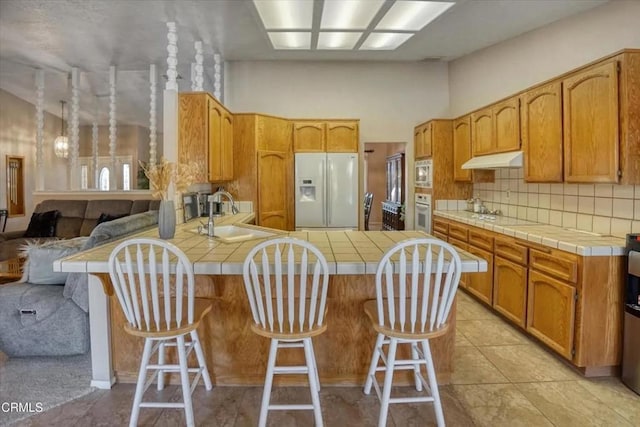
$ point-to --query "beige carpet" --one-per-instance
(34, 384)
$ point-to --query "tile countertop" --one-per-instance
(350, 252)
(569, 240)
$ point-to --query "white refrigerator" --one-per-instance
(326, 186)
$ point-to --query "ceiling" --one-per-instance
(56, 35)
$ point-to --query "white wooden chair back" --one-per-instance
(281, 276)
(150, 278)
(416, 282)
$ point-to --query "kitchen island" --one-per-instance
(235, 355)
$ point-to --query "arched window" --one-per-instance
(104, 179)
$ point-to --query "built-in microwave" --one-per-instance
(424, 173)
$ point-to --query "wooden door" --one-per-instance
(510, 290)
(591, 127)
(506, 125)
(418, 146)
(342, 137)
(427, 140)
(273, 187)
(227, 146)
(541, 122)
(309, 137)
(216, 114)
(551, 312)
(461, 148)
(482, 132)
(193, 141)
(481, 284)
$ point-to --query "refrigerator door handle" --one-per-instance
(324, 191)
(328, 185)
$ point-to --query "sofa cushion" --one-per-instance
(43, 224)
(95, 208)
(38, 267)
(71, 215)
(77, 283)
(106, 217)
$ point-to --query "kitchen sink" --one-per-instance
(237, 233)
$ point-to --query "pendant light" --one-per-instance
(61, 143)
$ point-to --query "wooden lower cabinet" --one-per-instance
(551, 312)
(464, 277)
(481, 284)
(510, 290)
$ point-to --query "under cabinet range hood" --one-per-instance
(512, 159)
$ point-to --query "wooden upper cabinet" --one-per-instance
(591, 124)
(506, 125)
(193, 134)
(427, 140)
(482, 132)
(461, 148)
(273, 182)
(342, 137)
(541, 125)
(309, 137)
(418, 146)
(226, 147)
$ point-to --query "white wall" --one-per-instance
(389, 98)
(498, 71)
(17, 138)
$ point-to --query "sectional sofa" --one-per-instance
(46, 313)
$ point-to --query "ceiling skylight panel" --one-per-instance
(385, 41)
(290, 40)
(349, 14)
(337, 40)
(412, 15)
(285, 14)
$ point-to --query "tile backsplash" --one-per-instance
(600, 208)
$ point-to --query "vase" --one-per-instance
(167, 219)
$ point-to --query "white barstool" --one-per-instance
(154, 283)
(416, 282)
(286, 281)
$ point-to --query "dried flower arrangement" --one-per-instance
(161, 175)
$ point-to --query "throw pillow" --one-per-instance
(105, 217)
(43, 224)
(38, 268)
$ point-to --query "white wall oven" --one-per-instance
(423, 213)
(424, 173)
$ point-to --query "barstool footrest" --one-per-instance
(299, 407)
(290, 370)
(161, 405)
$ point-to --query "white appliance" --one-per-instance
(326, 188)
(423, 213)
(424, 173)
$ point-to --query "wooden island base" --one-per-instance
(237, 356)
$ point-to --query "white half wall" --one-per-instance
(483, 77)
(389, 98)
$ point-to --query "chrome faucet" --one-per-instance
(210, 224)
(216, 197)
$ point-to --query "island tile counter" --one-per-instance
(235, 356)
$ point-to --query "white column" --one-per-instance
(100, 335)
(94, 154)
(39, 130)
(170, 102)
(217, 77)
(172, 58)
(112, 128)
(74, 130)
(153, 143)
(199, 68)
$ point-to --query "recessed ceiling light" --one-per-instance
(290, 40)
(348, 14)
(385, 41)
(412, 15)
(337, 40)
(285, 14)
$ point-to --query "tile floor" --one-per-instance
(501, 378)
